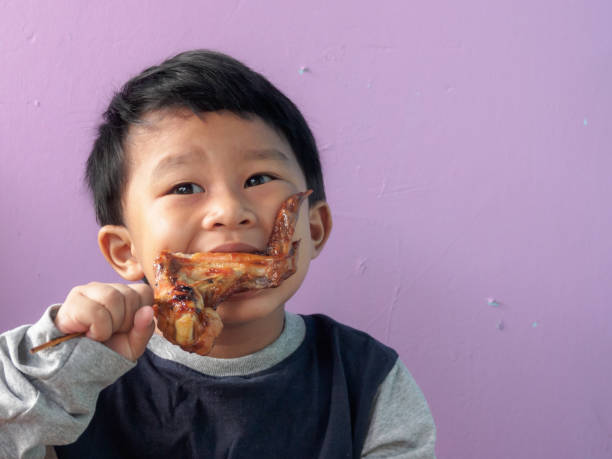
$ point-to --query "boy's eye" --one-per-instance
(187, 188)
(258, 179)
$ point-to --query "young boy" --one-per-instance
(196, 155)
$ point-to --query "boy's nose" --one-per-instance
(227, 210)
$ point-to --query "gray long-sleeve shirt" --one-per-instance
(49, 398)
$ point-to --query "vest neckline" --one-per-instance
(294, 331)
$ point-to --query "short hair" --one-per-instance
(201, 81)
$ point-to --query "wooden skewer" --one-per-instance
(56, 341)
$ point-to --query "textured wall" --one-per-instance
(466, 148)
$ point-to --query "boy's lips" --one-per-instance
(235, 247)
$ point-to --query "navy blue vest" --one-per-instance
(314, 404)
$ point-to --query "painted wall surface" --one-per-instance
(467, 155)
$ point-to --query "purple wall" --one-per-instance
(466, 148)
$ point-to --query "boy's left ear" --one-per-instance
(320, 225)
(116, 246)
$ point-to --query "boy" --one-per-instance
(196, 155)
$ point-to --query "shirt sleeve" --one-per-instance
(401, 425)
(48, 398)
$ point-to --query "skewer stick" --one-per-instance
(56, 341)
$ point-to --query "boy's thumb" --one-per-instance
(141, 332)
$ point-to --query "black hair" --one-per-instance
(201, 81)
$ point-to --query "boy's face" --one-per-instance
(199, 183)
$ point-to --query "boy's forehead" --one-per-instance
(173, 132)
(154, 126)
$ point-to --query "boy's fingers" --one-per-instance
(123, 319)
(145, 292)
(117, 314)
(121, 301)
(85, 314)
(101, 327)
(141, 332)
(113, 297)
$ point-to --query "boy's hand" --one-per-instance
(119, 315)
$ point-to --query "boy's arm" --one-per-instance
(401, 425)
(48, 398)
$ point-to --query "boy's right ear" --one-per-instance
(116, 245)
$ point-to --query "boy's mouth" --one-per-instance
(236, 247)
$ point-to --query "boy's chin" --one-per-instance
(252, 305)
(244, 295)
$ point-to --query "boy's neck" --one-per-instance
(237, 340)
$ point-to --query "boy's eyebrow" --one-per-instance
(266, 154)
(172, 161)
(169, 162)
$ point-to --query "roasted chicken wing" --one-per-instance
(189, 287)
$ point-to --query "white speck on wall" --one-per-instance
(493, 302)
(361, 267)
